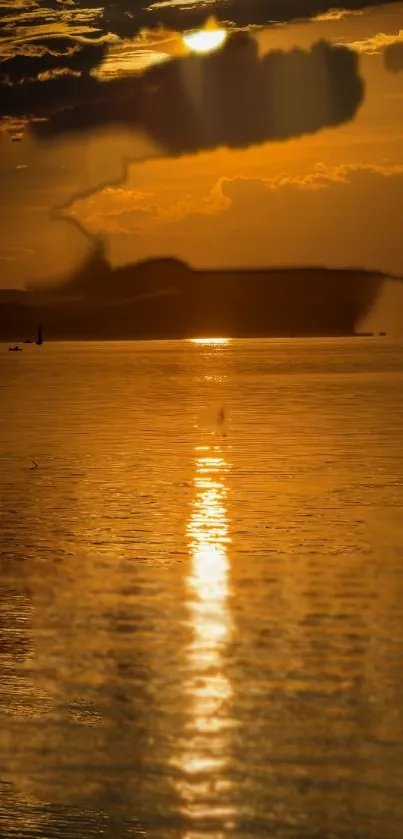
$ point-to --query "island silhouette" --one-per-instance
(166, 298)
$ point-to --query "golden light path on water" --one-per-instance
(205, 750)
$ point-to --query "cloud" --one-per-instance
(337, 14)
(129, 16)
(321, 178)
(133, 212)
(393, 56)
(123, 211)
(50, 55)
(23, 20)
(328, 216)
(231, 98)
(379, 42)
(22, 23)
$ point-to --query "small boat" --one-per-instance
(39, 339)
(15, 349)
(28, 341)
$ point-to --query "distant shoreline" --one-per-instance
(167, 300)
(195, 338)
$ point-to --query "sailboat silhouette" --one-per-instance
(39, 339)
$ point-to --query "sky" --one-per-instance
(284, 147)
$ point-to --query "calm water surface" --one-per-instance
(201, 590)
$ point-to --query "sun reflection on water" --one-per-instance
(204, 752)
(209, 341)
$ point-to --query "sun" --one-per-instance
(205, 40)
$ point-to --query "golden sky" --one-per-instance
(331, 197)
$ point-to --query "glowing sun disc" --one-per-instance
(206, 40)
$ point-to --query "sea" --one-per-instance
(201, 590)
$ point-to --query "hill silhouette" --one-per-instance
(165, 298)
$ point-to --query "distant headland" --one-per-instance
(165, 298)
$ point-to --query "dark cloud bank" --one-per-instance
(231, 97)
(239, 12)
(50, 55)
(126, 17)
